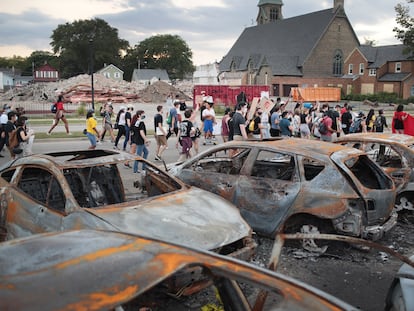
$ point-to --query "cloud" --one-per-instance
(210, 27)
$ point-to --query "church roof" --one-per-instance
(263, 2)
(291, 40)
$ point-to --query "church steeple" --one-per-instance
(269, 11)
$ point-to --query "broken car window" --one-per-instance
(274, 165)
(223, 162)
(312, 168)
(368, 174)
(40, 185)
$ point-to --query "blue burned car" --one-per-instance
(293, 184)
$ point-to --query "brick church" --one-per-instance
(318, 49)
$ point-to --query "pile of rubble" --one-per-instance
(78, 90)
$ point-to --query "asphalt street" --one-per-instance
(66, 144)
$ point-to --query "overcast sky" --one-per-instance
(210, 27)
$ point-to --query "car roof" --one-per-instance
(400, 139)
(309, 147)
(76, 263)
(81, 158)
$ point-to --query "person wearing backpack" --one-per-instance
(325, 125)
(346, 120)
(59, 116)
(380, 122)
(9, 127)
(359, 124)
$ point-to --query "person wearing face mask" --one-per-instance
(140, 139)
(239, 122)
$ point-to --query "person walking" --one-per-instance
(59, 115)
(286, 129)
(141, 140)
(128, 118)
(380, 122)
(8, 129)
(107, 125)
(398, 119)
(239, 122)
(120, 125)
(209, 118)
(305, 120)
(370, 120)
(274, 121)
(91, 130)
(173, 117)
(160, 134)
(185, 132)
(225, 125)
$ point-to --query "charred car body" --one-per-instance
(85, 190)
(91, 270)
(281, 185)
(395, 154)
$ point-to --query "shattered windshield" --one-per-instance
(102, 185)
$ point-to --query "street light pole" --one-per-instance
(91, 72)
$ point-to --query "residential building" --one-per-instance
(206, 74)
(46, 73)
(380, 69)
(10, 78)
(112, 72)
(6, 79)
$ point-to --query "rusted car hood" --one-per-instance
(192, 218)
(91, 270)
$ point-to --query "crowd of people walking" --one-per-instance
(188, 126)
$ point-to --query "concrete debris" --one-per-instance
(78, 90)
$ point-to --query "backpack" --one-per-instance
(13, 140)
(378, 122)
(323, 130)
(251, 126)
(13, 143)
(53, 108)
(183, 106)
(355, 126)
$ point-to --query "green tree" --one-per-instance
(16, 62)
(73, 43)
(405, 31)
(169, 52)
(36, 59)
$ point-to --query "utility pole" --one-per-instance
(91, 72)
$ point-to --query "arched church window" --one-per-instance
(338, 63)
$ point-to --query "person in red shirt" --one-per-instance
(59, 116)
(398, 120)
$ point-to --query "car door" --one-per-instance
(390, 160)
(38, 204)
(268, 190)
(217, 172)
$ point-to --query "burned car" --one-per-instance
(297, 184)
(400, 295)
(101, 270)
(395, 154)
(85, 190)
